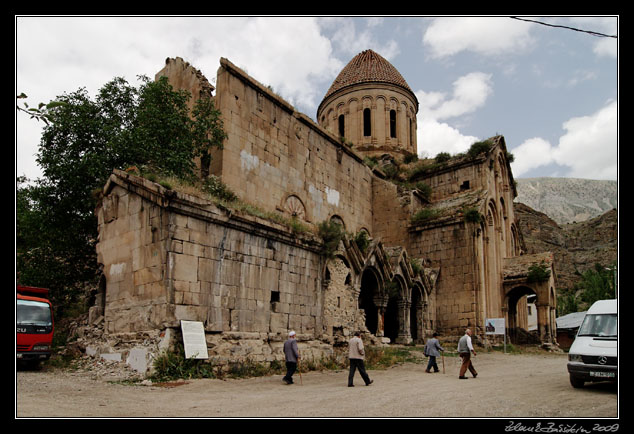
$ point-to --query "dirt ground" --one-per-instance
(507, 386)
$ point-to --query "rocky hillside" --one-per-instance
(567, 200)
(577, 247)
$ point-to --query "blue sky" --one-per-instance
(552, 92)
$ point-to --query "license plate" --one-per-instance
(602, 374)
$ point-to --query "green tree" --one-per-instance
(83, 141)
(597, 284)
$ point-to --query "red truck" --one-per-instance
(34, 324)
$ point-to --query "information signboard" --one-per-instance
(194, 340)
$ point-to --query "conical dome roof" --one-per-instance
(368, 67)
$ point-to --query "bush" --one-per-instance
(215, 187)
(424, 215)
(362, 240)
(538, 273)
(331, 234)
(478, 148)
(472, 215)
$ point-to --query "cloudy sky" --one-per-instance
(551, 91)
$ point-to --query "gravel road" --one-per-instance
(508, 386)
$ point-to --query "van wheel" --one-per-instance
(576, 382)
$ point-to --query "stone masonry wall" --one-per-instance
(168, 257)
(455, 302)
(274, 153)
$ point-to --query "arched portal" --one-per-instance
(367, 300)
(517, 316)
(392, 318)
(416, 315)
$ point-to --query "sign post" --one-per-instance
(194, 340)
(496, 326)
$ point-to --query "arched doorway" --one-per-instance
(416, 315)
(518, 315)
(367, 296)
(396, 314)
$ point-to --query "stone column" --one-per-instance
(381, 304)
(404, 335)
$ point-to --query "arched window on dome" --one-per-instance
(393, 123)
(342, 126)
(367, 124)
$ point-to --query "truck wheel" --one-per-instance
(576, 382)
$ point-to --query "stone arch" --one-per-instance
(517, 314)
(417, 310)
(337, 219)
(396, 318)
(294, 205)
(371, 300)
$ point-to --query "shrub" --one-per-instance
(538, 273)
(215, 187)
(331, 233)
(472, 215)
(424, 215)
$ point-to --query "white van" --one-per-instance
(593, 355)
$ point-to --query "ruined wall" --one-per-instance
(280, 160)
(454, 304)
(131, 249)
(169, 256)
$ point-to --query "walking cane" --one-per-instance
(443, 361)
(301, 380)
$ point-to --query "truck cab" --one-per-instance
(593, 355)
(34, 325)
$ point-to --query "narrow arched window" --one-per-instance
(342, 126)
(393, 123)
(367, 126)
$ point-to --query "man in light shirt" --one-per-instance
(356, 354)
(465, 348)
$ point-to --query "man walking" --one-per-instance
(432, 350)
(291, 354)
(356, 354)
(465, 348)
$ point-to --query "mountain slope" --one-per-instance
(567, 200)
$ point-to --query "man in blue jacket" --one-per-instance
(291, 354)
(432, 350)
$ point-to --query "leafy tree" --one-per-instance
(597, 284)
(83, 141)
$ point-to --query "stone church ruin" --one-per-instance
(443, 250)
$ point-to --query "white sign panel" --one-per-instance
(194, 340)
(494, 326)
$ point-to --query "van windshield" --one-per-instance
(599, 325)
(33, 313)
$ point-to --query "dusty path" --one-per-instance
(534, 386)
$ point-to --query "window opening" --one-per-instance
(342, 127)
(367, 126)
(393, 123)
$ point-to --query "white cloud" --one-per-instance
(351, 41)
(533, 153)
(470, 92)
(434, 137)
(588, 149)
(590, 145)
(488, 36)
(61, 54)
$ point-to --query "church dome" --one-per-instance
(368, 67)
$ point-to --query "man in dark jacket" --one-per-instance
(291, 354)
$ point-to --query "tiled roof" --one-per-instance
(366, 67)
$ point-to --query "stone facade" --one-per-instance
(169, 256)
